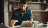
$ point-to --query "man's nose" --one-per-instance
(23, 8)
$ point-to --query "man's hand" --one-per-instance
(30, 24)
(12, 23)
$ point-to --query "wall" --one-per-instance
(5, 12)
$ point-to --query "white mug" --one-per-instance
(47, 24)
(35, 23)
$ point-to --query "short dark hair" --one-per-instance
(23, 1)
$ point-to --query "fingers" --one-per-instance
(12, 23)
(30, 24)
(11, 20)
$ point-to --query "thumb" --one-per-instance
(15, 22)
(12, 20)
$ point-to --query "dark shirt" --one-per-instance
(17, 15)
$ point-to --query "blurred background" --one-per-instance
(39, 9)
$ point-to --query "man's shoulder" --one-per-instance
(16, 10)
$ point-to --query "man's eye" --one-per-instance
(24, 6)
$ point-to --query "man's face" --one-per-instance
(23, 6)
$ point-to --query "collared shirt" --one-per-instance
(17, 15)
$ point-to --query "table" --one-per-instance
(39, 26)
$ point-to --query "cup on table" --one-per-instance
(47, 24)
(35, 23)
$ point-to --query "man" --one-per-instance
(22, 14)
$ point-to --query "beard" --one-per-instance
(22, 9)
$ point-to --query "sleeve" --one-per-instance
(30, 16)
(13, 16)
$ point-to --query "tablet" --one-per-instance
(24, 23)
